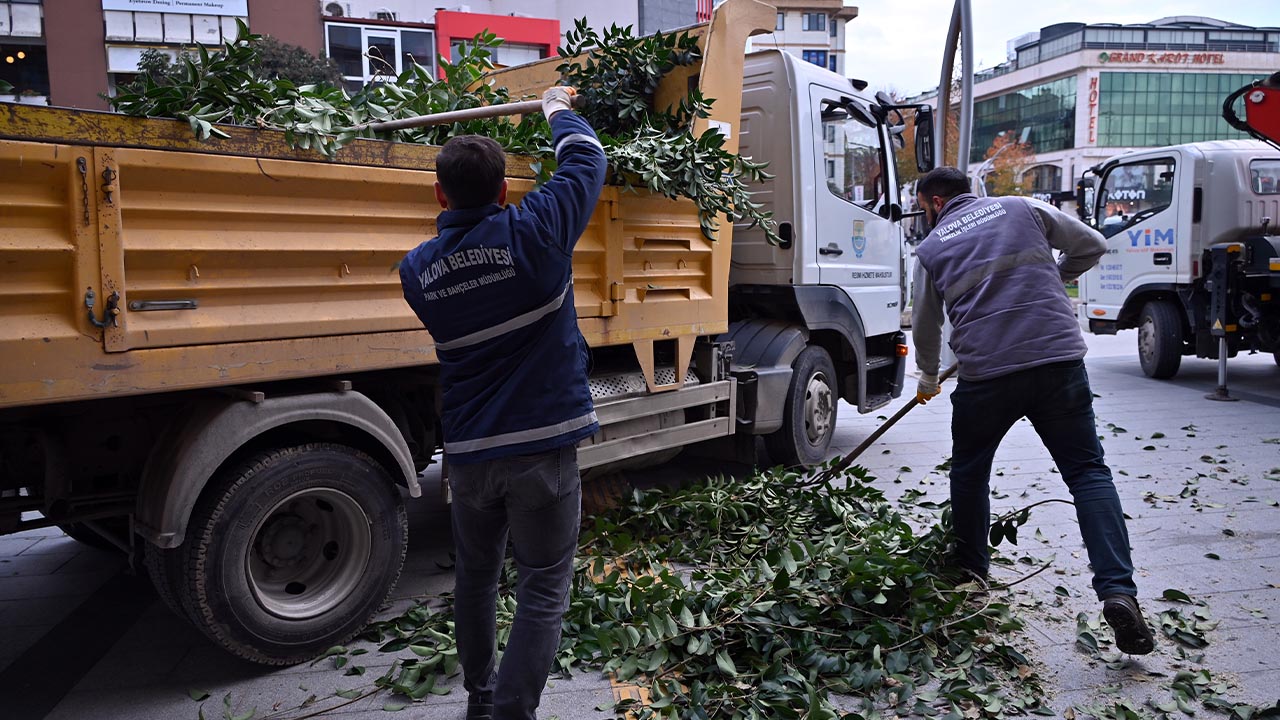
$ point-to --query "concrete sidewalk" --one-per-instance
(1209, 486)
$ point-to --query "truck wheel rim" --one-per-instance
(309, 553)
(818, 408)
(1147, 340)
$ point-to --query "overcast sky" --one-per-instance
(898, 43)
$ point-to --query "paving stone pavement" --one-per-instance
(1208, 487)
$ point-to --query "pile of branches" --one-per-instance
(769, 597)
(617, 73)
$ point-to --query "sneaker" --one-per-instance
(480, 706)
(1125, 618)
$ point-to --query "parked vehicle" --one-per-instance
(1194, 258)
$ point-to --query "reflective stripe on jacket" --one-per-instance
(495, 290)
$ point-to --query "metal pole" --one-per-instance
(944, 85)
(1221, 393)
(966, 82)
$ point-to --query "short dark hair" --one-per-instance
(944, 182)
(470, 169)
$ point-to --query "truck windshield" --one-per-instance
(1142, 188)
(1264, 175)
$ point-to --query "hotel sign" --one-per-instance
(1163, 58)
(1093, 109)
(239, 8)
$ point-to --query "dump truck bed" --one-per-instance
(241, 260)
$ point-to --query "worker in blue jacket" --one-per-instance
(495, 290)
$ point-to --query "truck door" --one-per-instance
(856, 247)
(1135, 212)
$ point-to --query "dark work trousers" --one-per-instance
(1057, 400)
(537, 500)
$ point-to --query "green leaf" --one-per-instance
(725, 663)
(1176, 596)
(198, 695)
(394, 706)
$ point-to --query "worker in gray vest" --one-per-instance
(989, 262)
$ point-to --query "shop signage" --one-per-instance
(1163, 58)
(238, 8)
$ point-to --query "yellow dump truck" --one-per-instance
(192, 332)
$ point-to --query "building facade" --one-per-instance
(645, 16)
(813, 30)
(1079, 94)
(77, 55)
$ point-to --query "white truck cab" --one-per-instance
(821, 312)
(1193, 253)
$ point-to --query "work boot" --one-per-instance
(480, 706)
(1125, 618)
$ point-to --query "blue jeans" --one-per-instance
(1057, 400)
(537, 500)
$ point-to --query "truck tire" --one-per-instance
(1160, 339)
(292, 552)
(809, 417)
(164, 567)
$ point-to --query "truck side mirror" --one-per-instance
(924, 138)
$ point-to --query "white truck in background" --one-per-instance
(1194, 252)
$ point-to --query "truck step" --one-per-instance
(878, 361)
(877, 401)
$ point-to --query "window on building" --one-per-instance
(817, 57)
(1175, 37)
(1143, 187)
(1061, 45)
(1044, 114)
(26, 68)
(834, 28)
(1238, 36)
(831, 63)
(21, 19)
(854, 160)
(782, 21)
(1113, 36)
(370, 53)
(1265, 176)
(813, 21)
(385, 15)
(1137, 109)
(1043, 179)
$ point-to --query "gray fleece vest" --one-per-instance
(991, 262)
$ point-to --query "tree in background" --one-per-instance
(1009, 160)
(275, 60)
(295, 64)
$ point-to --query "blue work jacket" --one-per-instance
(495, 290)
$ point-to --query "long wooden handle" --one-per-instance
(847, 460)
(524, 107)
